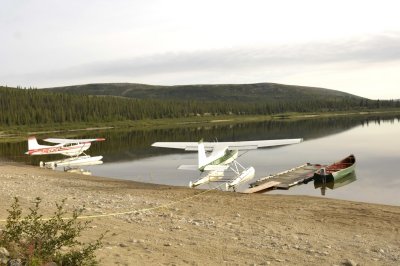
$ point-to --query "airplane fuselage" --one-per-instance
(223, 157)
(64, 149)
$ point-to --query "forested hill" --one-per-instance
(37, 107)
(259, 92)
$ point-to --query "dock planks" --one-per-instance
(286, 179)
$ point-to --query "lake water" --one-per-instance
(375, 141)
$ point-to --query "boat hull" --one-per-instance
(331, 184)
(343, 173)
(337, 170)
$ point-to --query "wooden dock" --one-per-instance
(286, 179)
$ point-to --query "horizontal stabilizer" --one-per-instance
(191, 148)
(216, 167)
(188, 167)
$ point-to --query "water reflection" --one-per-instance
(77, 170)
(374, 140)
(329, 182)
(129, 145)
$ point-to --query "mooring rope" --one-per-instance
(133, 211)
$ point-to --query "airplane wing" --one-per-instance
(255, 144)
(220, 168)
(66, 141)
(187, 146)
(238, 145)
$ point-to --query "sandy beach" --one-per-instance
(180, 226)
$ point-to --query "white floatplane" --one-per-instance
(68, 147)
(222, 157)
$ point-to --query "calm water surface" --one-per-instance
(374, 141)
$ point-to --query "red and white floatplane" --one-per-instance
(73, 148)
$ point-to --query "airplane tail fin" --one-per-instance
(33, 144)
(201, 154)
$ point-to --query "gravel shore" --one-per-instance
(169, 225)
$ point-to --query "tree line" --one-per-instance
(33, 106)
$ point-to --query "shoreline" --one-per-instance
(71, 129)
(213, 228)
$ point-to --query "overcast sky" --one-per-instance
(352, 46)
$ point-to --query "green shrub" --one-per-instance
(36, 240)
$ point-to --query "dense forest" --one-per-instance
(33, 106)
(256, 92)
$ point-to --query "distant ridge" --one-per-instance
(221, 92)
(65, 105)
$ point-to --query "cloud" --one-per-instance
(206, 65)
(364, 50)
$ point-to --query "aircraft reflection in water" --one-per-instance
(324, 183)
(78, 170)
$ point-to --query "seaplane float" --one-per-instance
(220, 165)
(73, 148)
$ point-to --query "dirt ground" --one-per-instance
(181, 226)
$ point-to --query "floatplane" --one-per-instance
(72, 148)
(222, 158)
